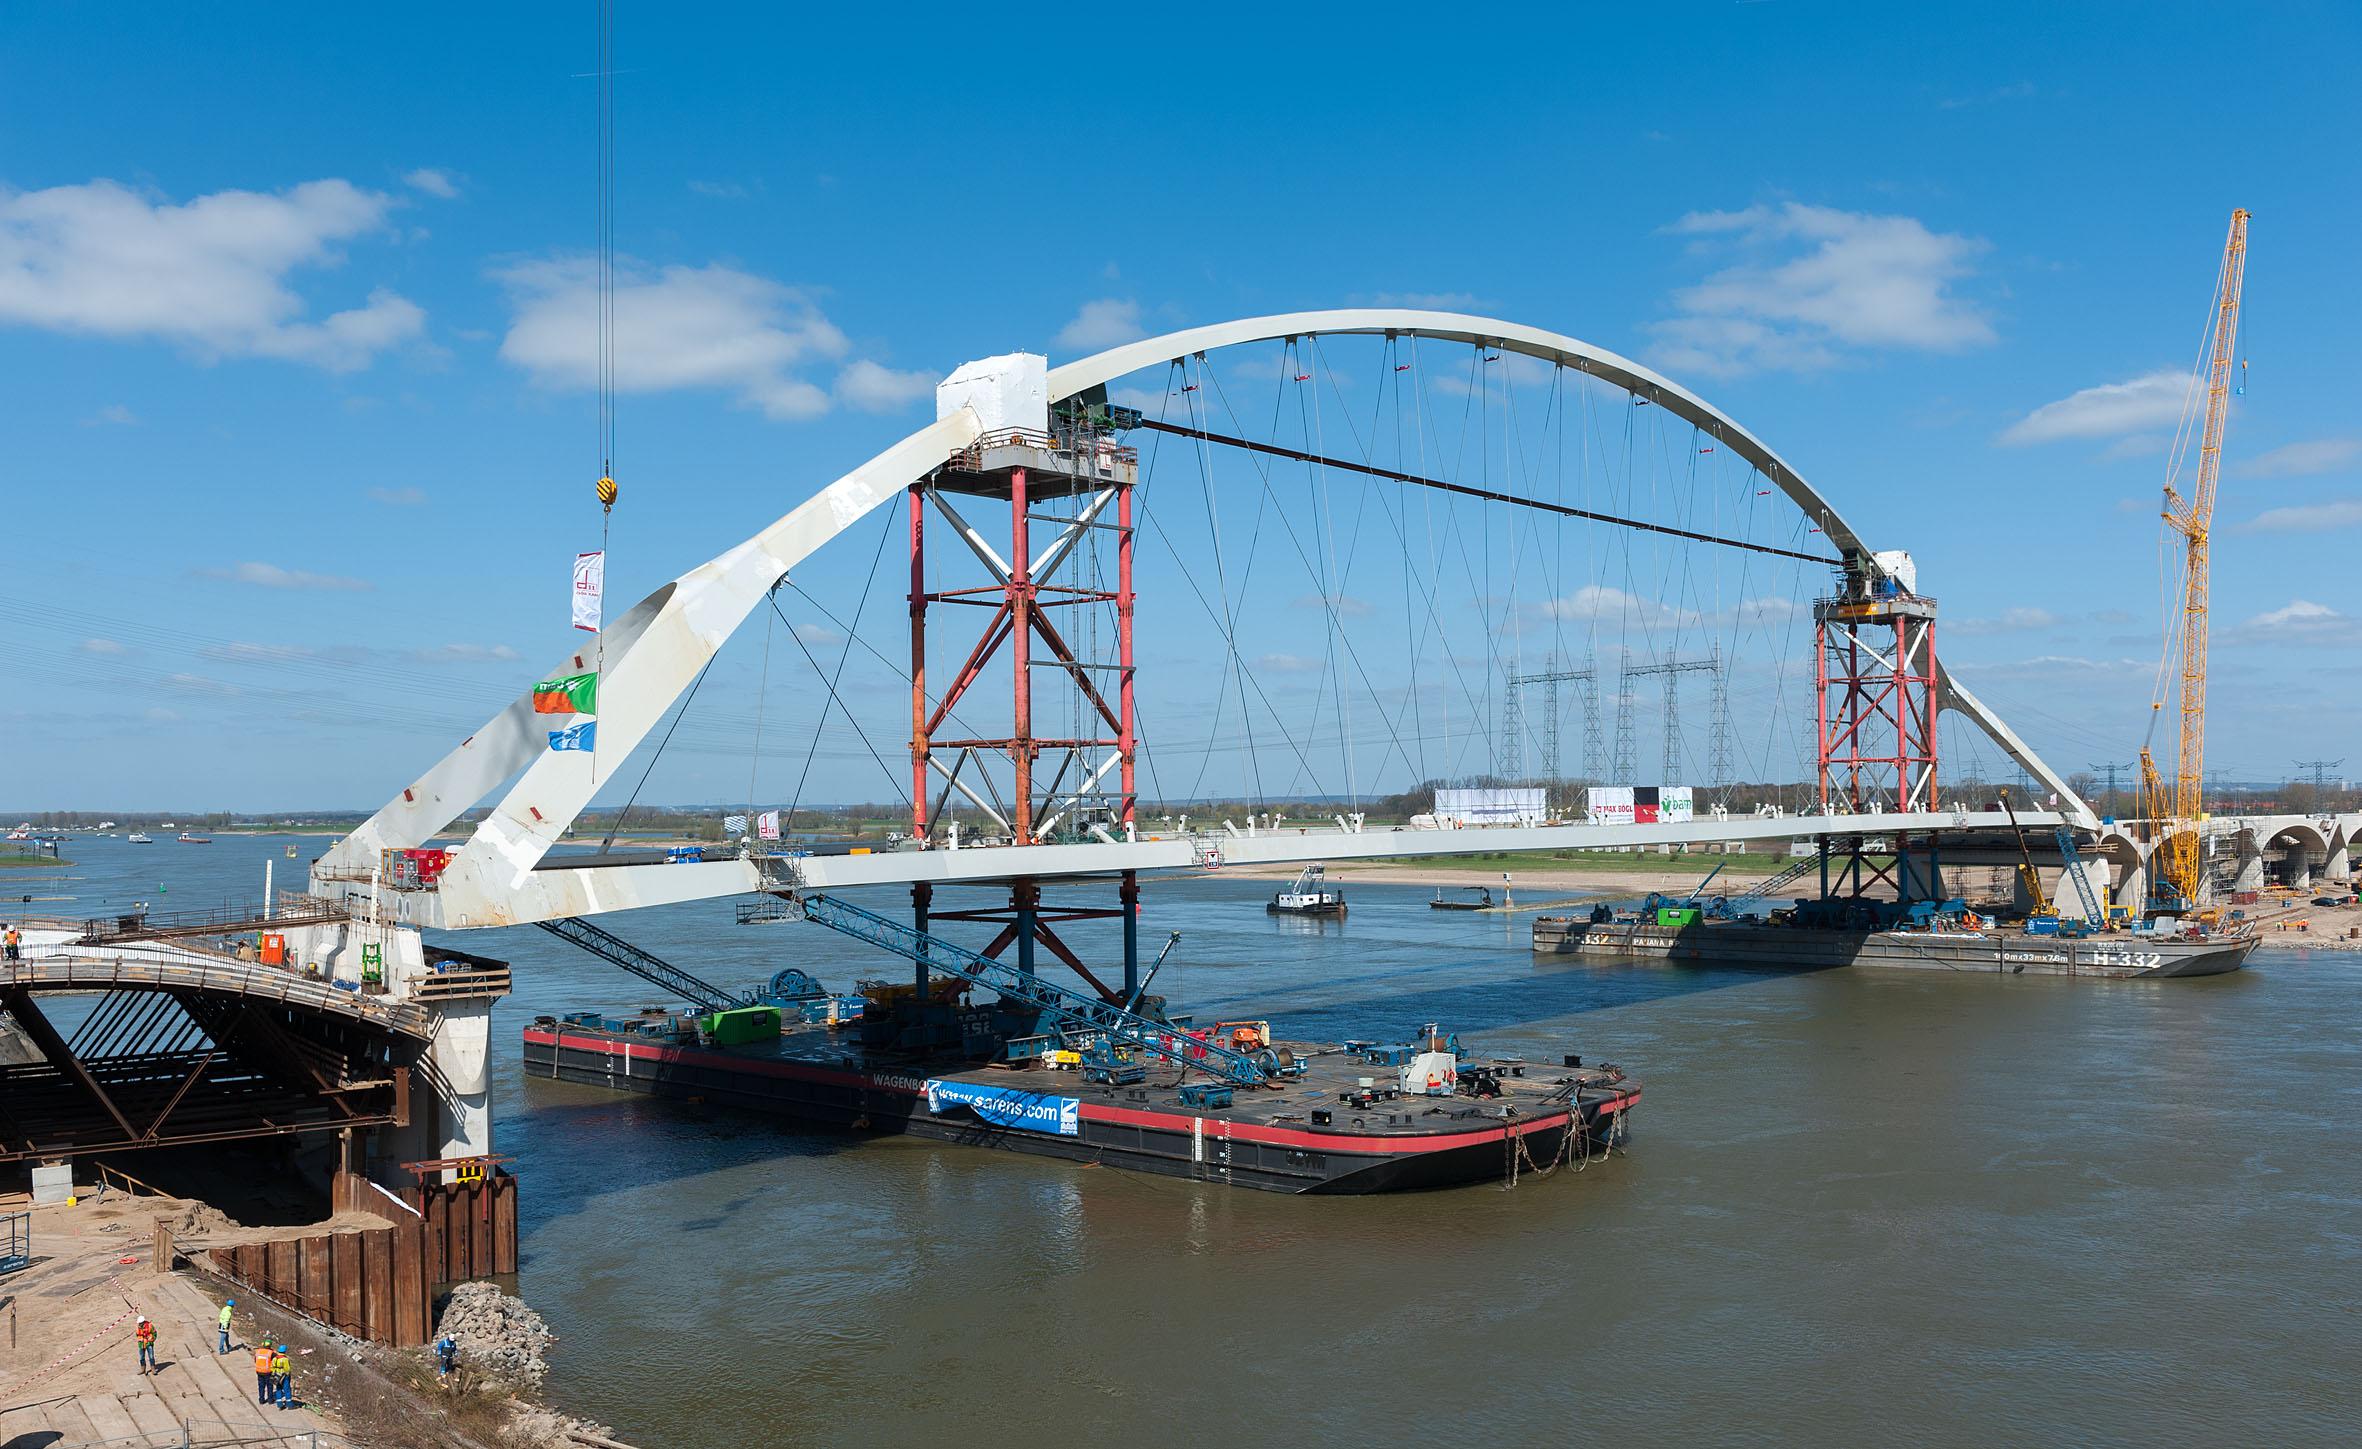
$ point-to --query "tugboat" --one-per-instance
(139, 837)
(1311, 895)
(1460, 899)
(189, 838)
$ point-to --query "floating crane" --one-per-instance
(2193, 519)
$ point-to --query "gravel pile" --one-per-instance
(497, 1334)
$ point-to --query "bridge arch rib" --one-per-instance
(1078, 378)
(656, 650)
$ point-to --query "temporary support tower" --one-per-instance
(1078, 464)
(1874, 653)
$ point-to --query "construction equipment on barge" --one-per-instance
(1056, 1072)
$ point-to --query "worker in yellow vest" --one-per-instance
(283, 1371)
(262, 1373)
(224, 1323)
(146, 1335)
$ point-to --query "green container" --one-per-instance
(742, 1025)
(1677, 915)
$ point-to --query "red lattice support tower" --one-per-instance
(1024, 471)
(1874, 651)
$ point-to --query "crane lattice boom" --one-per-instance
(2193, 518)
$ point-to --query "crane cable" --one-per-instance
(606, 325)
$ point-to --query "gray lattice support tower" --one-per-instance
(1670, 671)
(1718, 737)
(1513, 719)
(1627, 760)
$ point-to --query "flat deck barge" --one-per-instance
(1342, 1126)
(2111, 955)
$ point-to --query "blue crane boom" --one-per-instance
(2083, 887)
(646, 965)
(1069, 1009)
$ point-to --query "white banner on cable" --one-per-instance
(590, 582)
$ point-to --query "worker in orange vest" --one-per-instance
(146, 1336)
(262, 1373)
(13, 943)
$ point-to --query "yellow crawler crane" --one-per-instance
(2193, 519)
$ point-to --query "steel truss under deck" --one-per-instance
(170, 1068)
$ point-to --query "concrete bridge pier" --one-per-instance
(2338, 868)
(450, 1105)
(2251, 865)
(2064, 898)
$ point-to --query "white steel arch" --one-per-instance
(1091, 372)
(656, 649)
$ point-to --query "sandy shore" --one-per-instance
(1585, 880)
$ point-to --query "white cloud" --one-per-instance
(2298, 621)
(2152, 400)
(271, 576)
(113, 415)
(398, 497)
(103, 646)
(875, 389)
(677, 327)
(1346, 605)
(1813, 284)
(1603, 602)
(818, 634)
(2012, 621)
(719, 190)
(432, 182)
(2295, 460)
(199, 684)
(1103, 323)
(209, 275)
(2306, 517)
(467, 654)
(1287, 663)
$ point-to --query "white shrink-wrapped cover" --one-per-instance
(1010, 391)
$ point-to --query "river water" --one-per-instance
(1858, 1207)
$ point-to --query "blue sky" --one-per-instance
(300, 446)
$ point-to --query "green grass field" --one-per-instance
(30, 862)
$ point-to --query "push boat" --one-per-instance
(186, 838)
(1465, 898)
(1311, 895)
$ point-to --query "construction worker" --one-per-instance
(225, 1325)
(263, 1385)
(446, 1356)
(283, 1376)
(12, 943)
(146, 1336)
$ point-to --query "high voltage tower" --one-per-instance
(1550, 676)
(2320, 769)
(2109, 772)
(1718, 734)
